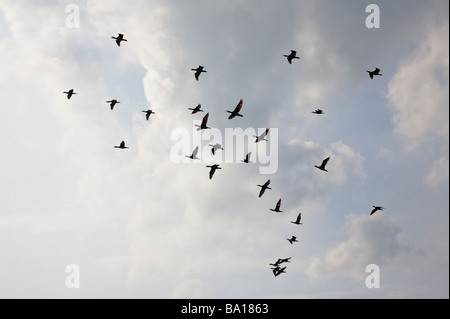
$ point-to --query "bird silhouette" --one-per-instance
(324, 163)
(112, 103)
(278, 262)
(204, 124)
(247, 158)
(264, 187)
(376, 208)
(292, 240)
(277, 207)
(318, 111)
(277, 271)
(194, 154)
(285, 260)
(198, 71)
(119, 39)
(374, 72)
(292, 55)
(236, 110)
(213, 169)
(196, 109)
(69, 93)
(215, 148)
(148, 113)
(297, 221)
(122, 145)
(262, 137)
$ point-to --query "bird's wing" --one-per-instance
(122, 144)
(205, 119)
(278, 205)
(263, 135)
(325, 161)
(261, 192)
(238, 107)
(211, 172)
(194, 153)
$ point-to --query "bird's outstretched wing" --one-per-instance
(205, 120)
(278, 205)
(194, 153)
(238, 107)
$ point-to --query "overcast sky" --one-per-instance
(139, 224)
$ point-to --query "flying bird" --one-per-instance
(119, 39)
(292, 55)
(279, 261)
(324, 163)
(374, 72)
(375, 208)
(196, 109)
(112, 103)
(264, 187)
(262, 136)
(69, 93)
(297, 221)
(194, 154)
(292, 240)
(236, 110)
(148, 113)
(215, 148)
(203, 126)
(122, 145)
(277, 208)
(247, 158)
(318, 111)
(277, 271)
(213, 169)
(198, 71)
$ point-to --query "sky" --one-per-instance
(82, 219)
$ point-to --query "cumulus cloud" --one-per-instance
(418, 92)
(438, 173)
(137, 223)
(371, 240)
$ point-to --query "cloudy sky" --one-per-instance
(146, 222)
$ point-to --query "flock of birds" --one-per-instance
(276, 269)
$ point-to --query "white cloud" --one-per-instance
(418, 92)
(192, 289)
(438, 173)
(136, 223)
(372, 240)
